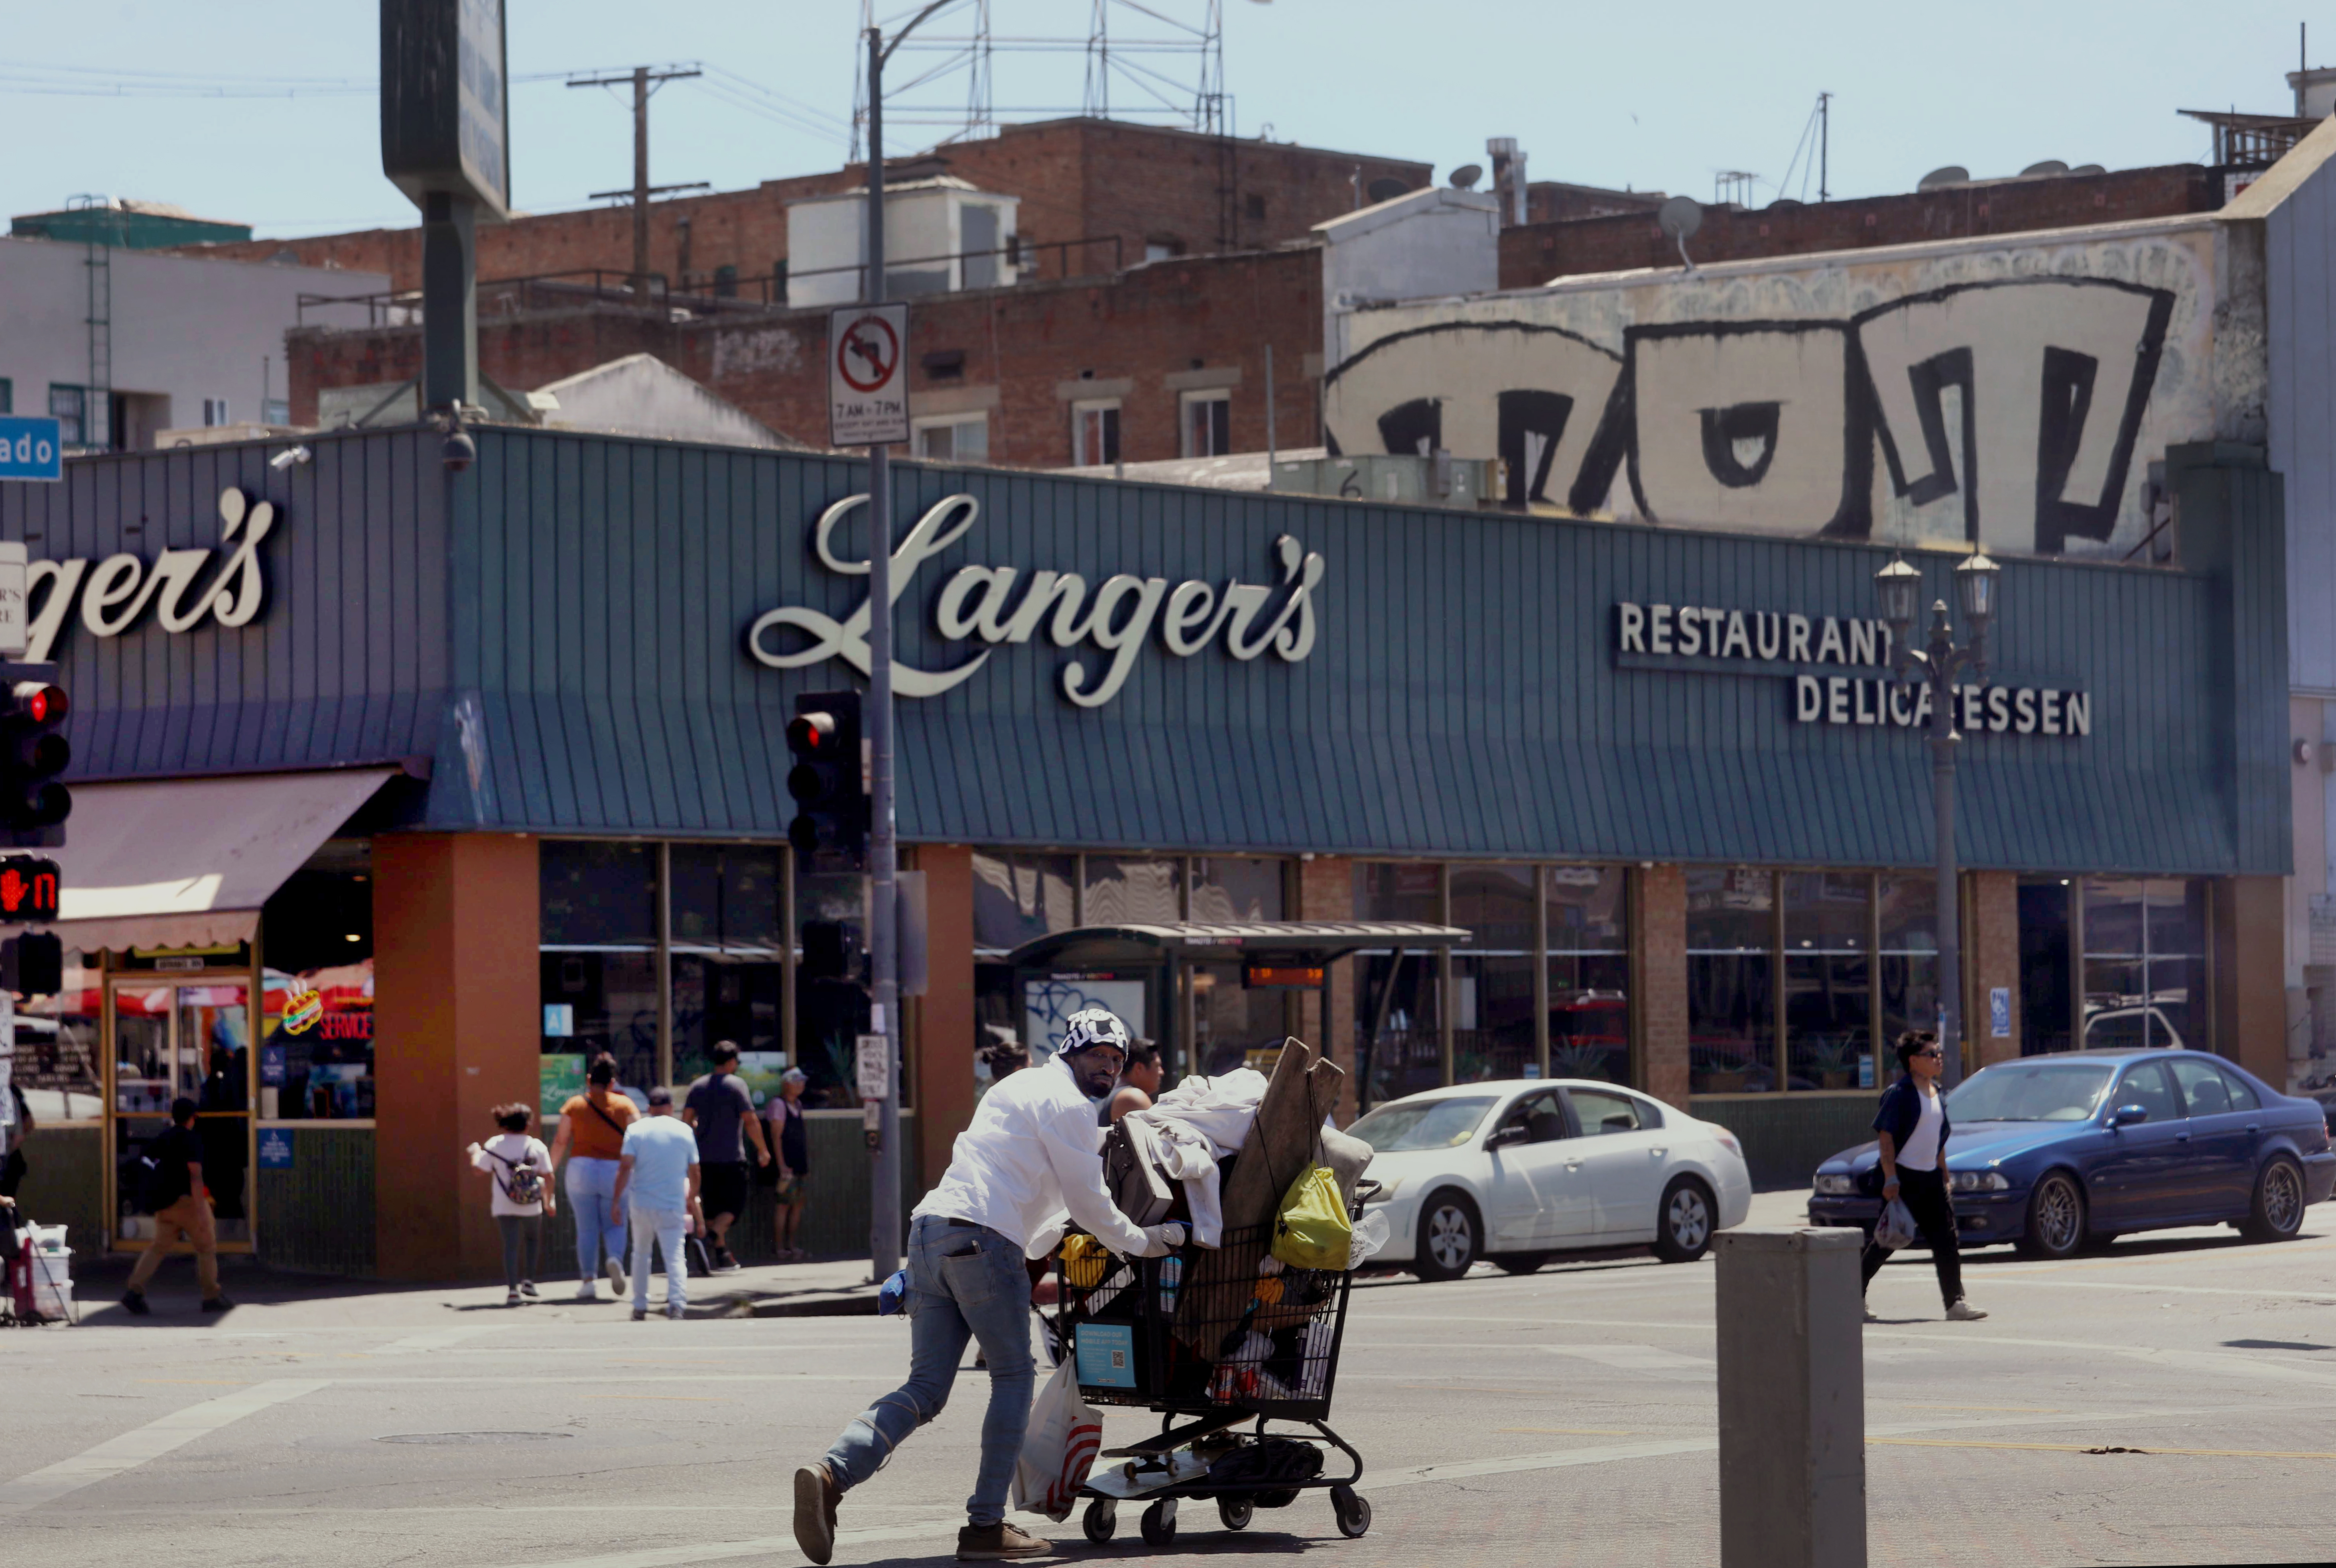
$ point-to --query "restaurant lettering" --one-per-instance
(119, 589)
(1784, 637)
(981, 603)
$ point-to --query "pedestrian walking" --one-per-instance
(519, 1167)
(1139, 1081)
(1029, 1154)
(590, 1139)
(12, 1164)
(173, 1190)
(1911, 1129)
(658, 1173)
(789, 1137)
(720, 1109)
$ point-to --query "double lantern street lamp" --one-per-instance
(1939, 666)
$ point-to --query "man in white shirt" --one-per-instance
(1031, 1152)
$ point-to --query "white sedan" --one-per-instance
(1514, 1172)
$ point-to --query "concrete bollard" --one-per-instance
(1791, 1399)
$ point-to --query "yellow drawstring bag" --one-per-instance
(1310, 1230)
(1083, 1261)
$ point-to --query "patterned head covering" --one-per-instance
(1095, 1027)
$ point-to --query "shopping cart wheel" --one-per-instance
(1159, 1522)
(1101, 1520)
(1353, 1512)
(1236, 1512)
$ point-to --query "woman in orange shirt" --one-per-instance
(590, 1138)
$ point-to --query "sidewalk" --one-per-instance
(831, 1288)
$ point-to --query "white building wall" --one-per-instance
(183, 329)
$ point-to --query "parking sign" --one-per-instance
(867, 390)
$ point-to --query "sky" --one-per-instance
(262, 110)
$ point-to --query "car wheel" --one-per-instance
(1450, 1237)
(2056, 1218)
(1684, 1223)
(2277, 1213)
(1520, 1263)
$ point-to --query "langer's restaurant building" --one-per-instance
(401, 791)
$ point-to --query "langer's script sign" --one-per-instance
(995, 604)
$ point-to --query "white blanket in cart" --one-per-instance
(1191, 1127)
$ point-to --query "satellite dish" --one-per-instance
(1679, 216)
(2049, 166)
(1386, 190)
(1464, 178)
(1951, 174)
(2089, 168)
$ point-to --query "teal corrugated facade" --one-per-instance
(562, 629)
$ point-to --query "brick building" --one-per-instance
(1129, 190)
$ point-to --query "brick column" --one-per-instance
(1659, 980)
(944, 1057)
(2250, 976)
(1991, 959)
(1326, 891)
(458, 1026)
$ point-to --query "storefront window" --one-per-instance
(2145, 962)
(1491, 977)
(2047, 975)
(315, 1049)
(831, 984)
(599, 965)
(1828, 979)
(728, 960)
(1234, 1027)
(1730, 977)
(1907, 905)
(1398, 992)
(1126, 890)
(56, 1063)
(1229, 889)
(1588, 972)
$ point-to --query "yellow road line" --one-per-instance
(2088, 1447)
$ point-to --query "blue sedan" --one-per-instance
(2056, 1153)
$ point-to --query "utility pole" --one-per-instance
(883, 860)
(1824, 148)
(645, 80)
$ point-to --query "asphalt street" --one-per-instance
(2172, 1400)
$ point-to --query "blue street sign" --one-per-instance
(30, 448)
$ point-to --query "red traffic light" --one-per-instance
(810, 732)
(41, 702)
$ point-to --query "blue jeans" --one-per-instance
(963, 1282)
(600, 1229)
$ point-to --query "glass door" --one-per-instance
(190, 1041)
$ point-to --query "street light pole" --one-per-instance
(1940, 668)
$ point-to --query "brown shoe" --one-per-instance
(815, 1500)
(990, 1543)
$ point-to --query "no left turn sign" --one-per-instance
(868, 397)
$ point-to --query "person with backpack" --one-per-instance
(171, 1190)
(520, 1169)
(590, 1139)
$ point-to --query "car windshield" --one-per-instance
(2031, 1092)
(1422, 1124)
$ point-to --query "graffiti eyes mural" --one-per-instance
(2004, 411)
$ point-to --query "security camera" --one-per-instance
(460, 451)
(284, 459)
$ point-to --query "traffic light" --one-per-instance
(34, 804)
(33, 964)
(829, 779)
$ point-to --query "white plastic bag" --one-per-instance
(1370, 1235)
(1059, 1448)
(1896, 1229)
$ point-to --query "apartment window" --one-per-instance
(1162, 249)
(7, 396)
(215, 412)
(1208, 421)
(1256, 208)
(1094, 434)
(958, 438)
(68, 406)
(725, 281)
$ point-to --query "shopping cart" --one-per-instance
(1221, 1343)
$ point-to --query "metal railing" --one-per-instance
(704, 295)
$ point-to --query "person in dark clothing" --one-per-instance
(12, 1164)
(1911, 1129)
(175, 1196)
(791, 1142)
(721, 1108)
